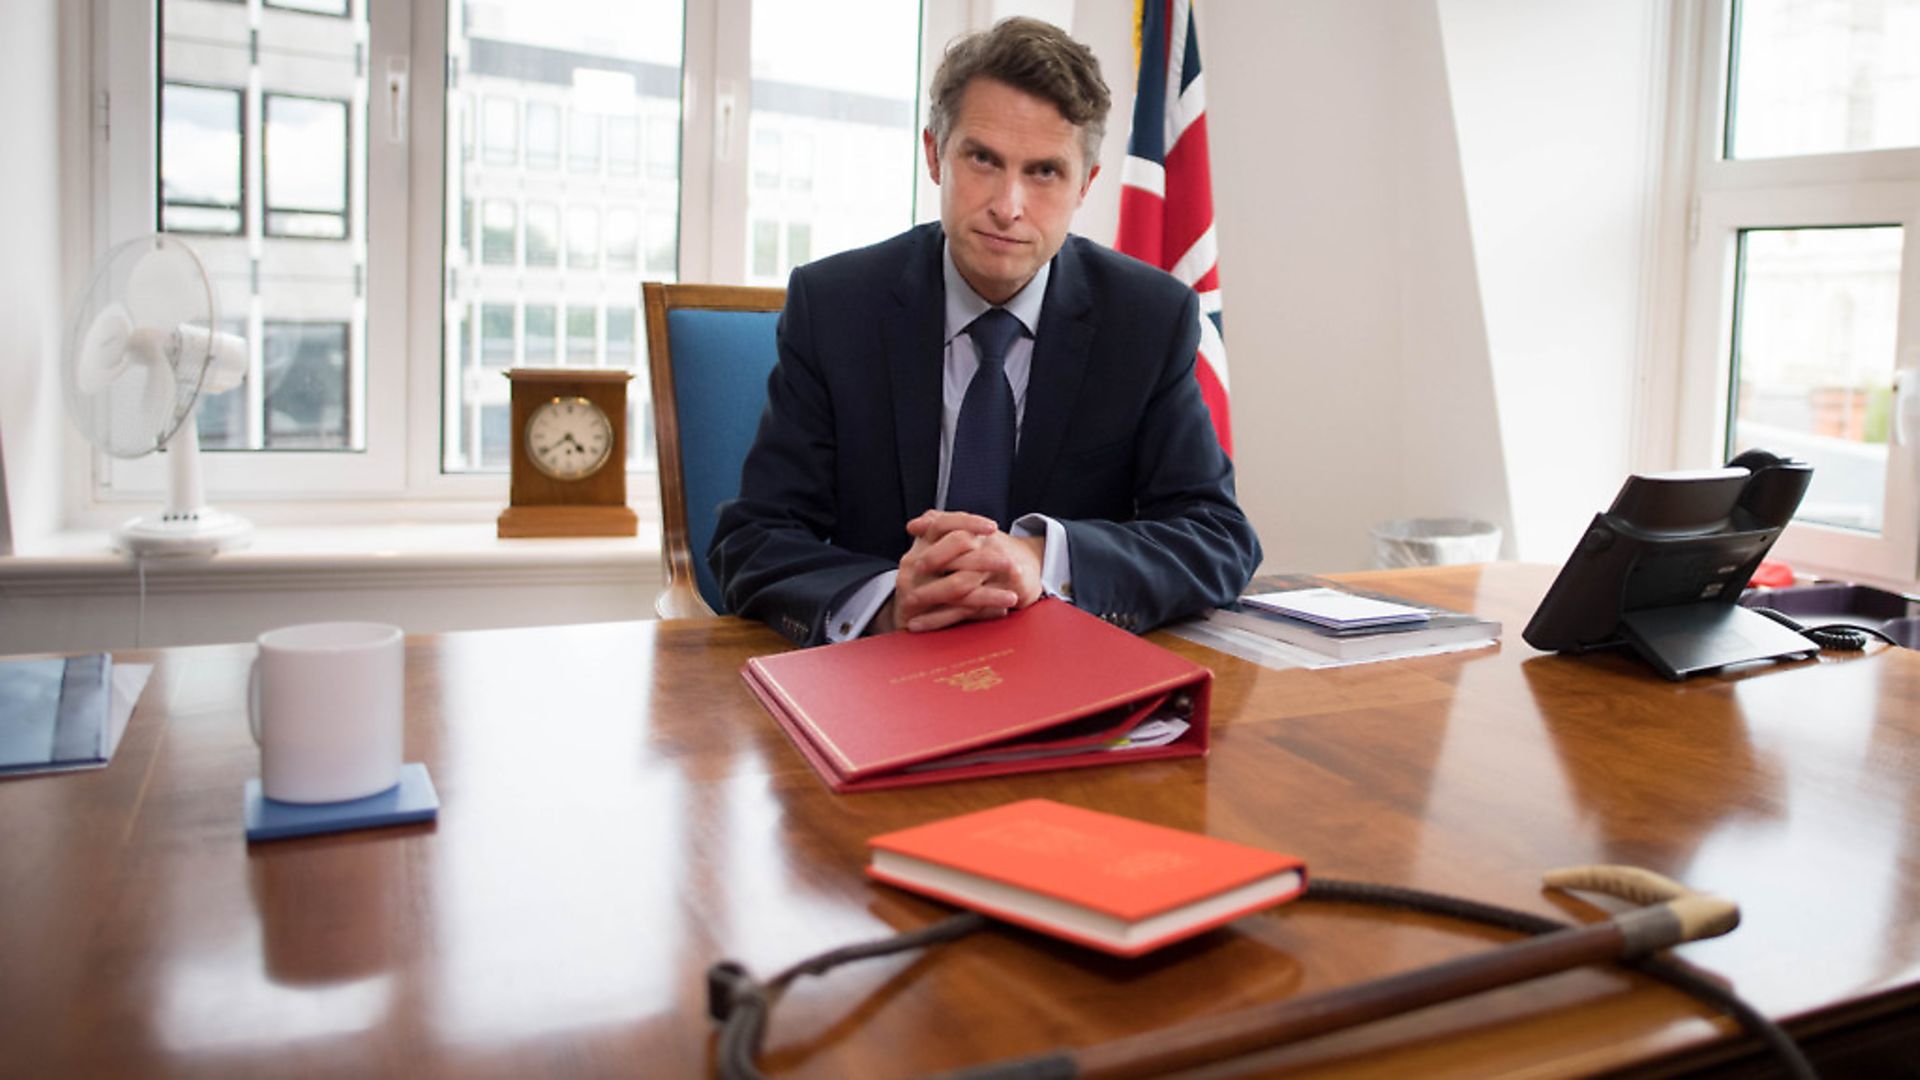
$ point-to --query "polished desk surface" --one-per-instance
(618, 813)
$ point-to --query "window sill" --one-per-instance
(414, 555)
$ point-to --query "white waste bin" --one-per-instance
(1434, 542)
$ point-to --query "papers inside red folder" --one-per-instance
(1050, 687)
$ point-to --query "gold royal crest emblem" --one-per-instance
(980, 678)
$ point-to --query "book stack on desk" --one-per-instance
(1349, 624)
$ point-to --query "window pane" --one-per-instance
(833, 144)
(306, 385)
(623, 239)
(583, 237)
(262, 143)
(620, 322)
(1813, 349)
(200, 159)
(1823, 76)
(581, 331)
(317, 7)
(496, 233)
(541, 339)
(663, 147)
(543, 135)
(496, 335)
(501, 132)
(766, 250)
(623, 145)
(583, 143)
(306, 167)
(543, 234)
(496, 436)
(663, 247)
(596, 82)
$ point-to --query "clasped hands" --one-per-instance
(961, 567)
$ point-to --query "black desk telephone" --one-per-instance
(1661, 570)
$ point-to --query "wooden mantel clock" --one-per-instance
(569, 454)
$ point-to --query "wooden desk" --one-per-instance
(618, 813)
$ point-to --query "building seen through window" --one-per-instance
(1813, 334)
(276, 93)
(561, 189)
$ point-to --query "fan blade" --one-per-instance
(166, 287)
(103, 352)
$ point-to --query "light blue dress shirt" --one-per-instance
(960, 361)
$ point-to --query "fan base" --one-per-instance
(207, 533)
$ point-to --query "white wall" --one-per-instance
(30, 265)
(1560, 107)
(1433, 223)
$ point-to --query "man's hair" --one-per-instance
(1031, 56)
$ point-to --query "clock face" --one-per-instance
(569, 438)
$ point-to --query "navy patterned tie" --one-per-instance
(982, 465)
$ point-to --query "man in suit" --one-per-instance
(978, 413)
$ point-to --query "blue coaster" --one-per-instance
(412, 799)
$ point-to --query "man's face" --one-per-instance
(1010, 177)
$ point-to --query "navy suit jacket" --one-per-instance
(1115, 441)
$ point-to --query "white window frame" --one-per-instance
(404, 411)
(1875, 187)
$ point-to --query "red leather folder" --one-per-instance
(1049, 687)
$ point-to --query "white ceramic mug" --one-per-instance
(327, 704)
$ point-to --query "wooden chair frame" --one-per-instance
(681, 598)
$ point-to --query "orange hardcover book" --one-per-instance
(1049, 687)
(1112, 883)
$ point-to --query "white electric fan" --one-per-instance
(141, 348)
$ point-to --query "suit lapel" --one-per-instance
(913, 332)
(1061, 349)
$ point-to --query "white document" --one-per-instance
(1335, 608)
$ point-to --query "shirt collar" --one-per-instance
(964, 305)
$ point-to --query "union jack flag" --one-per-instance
(1166, 187)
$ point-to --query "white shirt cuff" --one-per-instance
(1056, 568)
(850, 619)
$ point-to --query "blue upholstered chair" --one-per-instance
(710, 348)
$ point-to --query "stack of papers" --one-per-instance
(1336, 609)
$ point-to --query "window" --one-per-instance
(501, 127)
(1803, 321)
(1813, 346)
(583, 143)
(623, 239)
(1823, 78)
(541, 337)
(306, 385)
(543, 135)
(201, 159)
(306, 152)
(623, 145)
(809, 104)
(620, 321)
(496, 335)
(582, 331)
(543, 234)
(259, 149)
(662, 242)
(583, 237)
(497, 228)
(316, 7)
(550, 159)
